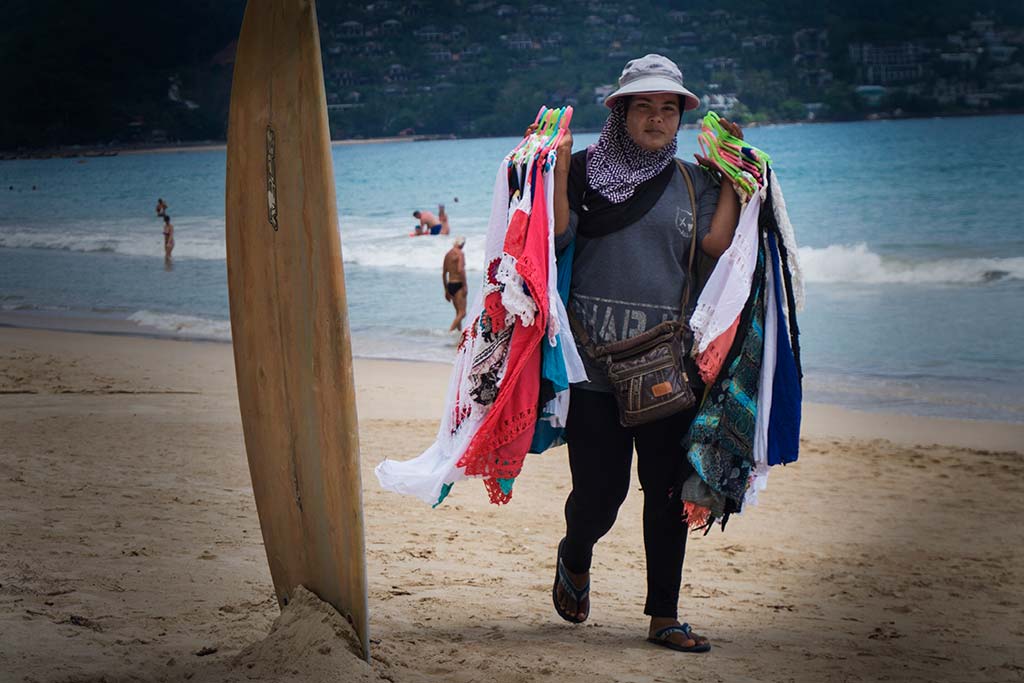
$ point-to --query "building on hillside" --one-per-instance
(888, 64)
(763, 41)
(716, 64)
(1009, 77)
(429, 33)
(814, 109)
(684, 41)
(439, 53)
(372, 49)
(949, 91)
(871, 94)
(723, 103)
(411, 8)
(553, 39)
(350, 29)
(965, 61)
(396, 73)
(519, 41)
(957, 39)
(634, 36)
(983, 100)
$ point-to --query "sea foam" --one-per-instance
(149, 244)
(186, 326)
(858, 264)
(389, 249)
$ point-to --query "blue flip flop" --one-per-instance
(578, 594)
(660, 637)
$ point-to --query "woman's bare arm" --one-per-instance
(564, 153)
(564, 157)
(723, 223)
(727, 213)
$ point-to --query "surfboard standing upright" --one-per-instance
(289, 319)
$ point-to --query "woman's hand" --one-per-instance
(727, 213)
(734, 130)
(563, 152)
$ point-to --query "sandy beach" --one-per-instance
(130, 548)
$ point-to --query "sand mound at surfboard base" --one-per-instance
(310, 641)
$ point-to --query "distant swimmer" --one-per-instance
(161, 207)
(168, 237)
(453, 275)
(429, 224)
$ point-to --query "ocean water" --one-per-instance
(911, 236)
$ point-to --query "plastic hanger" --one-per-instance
(744, 164)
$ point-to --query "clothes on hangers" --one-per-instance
(750, 417)
(493, 395)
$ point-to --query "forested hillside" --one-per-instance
(125, 72)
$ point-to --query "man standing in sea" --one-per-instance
(453, 276)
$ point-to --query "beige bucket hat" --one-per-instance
(650, 74)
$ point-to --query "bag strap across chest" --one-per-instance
(578, 329)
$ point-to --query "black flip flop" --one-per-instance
(660, 637)
(578, 594)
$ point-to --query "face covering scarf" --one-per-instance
(615, 182)
(618, 165)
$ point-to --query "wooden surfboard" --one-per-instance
(289, 319)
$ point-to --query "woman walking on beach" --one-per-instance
(626, 202)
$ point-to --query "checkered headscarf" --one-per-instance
(617, 164)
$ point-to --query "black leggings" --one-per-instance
(600, 455)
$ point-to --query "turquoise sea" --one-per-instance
(911, 236)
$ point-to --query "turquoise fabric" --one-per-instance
(545, 435)
(445, 490)
(721, 437)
